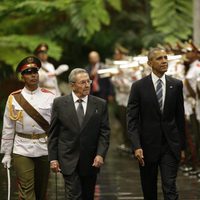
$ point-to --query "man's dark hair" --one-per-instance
(152, 51)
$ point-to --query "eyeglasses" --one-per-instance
(30, 71)
(84, 82)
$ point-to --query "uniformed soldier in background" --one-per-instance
(48, 73)
(24, 137)
(191, 84)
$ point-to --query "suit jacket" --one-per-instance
(105, 85)
(146, 123)
(73, 145)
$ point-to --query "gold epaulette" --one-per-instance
(16, 92)
(12, 115)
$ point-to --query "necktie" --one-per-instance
(80, 111)
(159, 93)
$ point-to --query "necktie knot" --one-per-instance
(159, 81)
(79, 100)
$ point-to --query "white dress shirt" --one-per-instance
(84, 101)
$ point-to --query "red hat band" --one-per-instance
(24, 67)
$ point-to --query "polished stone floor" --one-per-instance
(118, 180)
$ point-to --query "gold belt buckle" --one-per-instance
(34, 136)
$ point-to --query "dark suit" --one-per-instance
(105, 85)
(160, 135)
(73, 146)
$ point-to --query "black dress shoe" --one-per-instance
(193, 174)
(124, 149)
(186, 169)
(198, 175)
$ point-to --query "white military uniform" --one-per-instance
(193, 73)
(50, 83)
(192, 76)
(122, 83)
(41, 100)
(176, 69)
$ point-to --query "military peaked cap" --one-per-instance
(28, 62)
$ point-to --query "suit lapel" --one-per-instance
(168, 94)
(91, 106)
(72, 110)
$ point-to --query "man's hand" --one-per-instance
(98, 161)
(6, 161)
(54, 165)
(139, 156)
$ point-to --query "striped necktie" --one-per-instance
(80, 111)
(159, 93)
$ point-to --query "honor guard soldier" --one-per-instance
(24, 137)
(48, 73)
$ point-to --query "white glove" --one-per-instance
(6, 161)
(62, 68)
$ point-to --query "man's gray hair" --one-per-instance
(152, 51)
(73, 74)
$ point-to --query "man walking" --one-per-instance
(25, 126)
(155, 115)
(78, 137)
